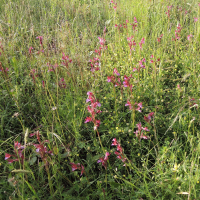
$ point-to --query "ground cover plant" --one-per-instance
(99, 99)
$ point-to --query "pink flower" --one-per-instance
(195, 19)
(62, 83)
(134, 24)
(134, 69)
(126, 81)
(144, 137)
(88, 119)
(106, 156)
(82, 170)
(74, 166)
(29, 50)
(77, 166)
(139, 106)
(7, 156)
(101, 41)
(109, 78)
(159, 38)
(92, 109)
(177, 33)
(129, 104)
(141, 63)
(115, 143)
(189, 37)
(148, 118)
(141, 42)
(18, 148)
(104, 160)
(131, 43)
(119, 148)
(118, 155)
(168, 11)
(17, 145)
(135, 20)
(121, 156)
(116, 72)
(40, 38)
(145, 129)
(98, 122)
(94, 64)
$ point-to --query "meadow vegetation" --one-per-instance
(99, 99)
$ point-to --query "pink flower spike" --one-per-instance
(195, 19)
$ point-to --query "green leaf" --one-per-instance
(31, 188)
(20, 171)
(33, 160)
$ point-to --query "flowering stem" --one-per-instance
(100, 141)
(133, 115)
(115, 101)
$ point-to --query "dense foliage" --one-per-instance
(99, 99)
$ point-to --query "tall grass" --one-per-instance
(60, 59)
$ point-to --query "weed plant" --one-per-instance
(99, 99)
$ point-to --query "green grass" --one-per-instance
(37, 98)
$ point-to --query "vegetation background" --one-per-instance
(52, 53)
